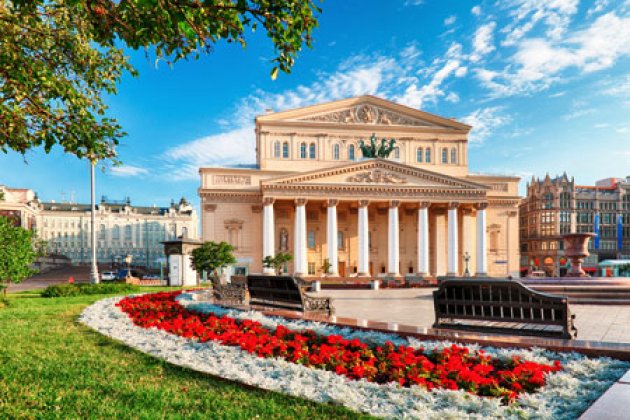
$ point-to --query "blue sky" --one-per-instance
(545, 84)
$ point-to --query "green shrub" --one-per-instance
(64, 290)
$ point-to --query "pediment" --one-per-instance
(364, 110)
(377, 172)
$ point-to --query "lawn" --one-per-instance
(53, 367)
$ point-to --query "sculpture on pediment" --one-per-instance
(373, 150)
(377, 176)
(284, 240)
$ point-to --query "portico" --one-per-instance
(388, 214)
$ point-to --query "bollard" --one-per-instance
(374, 284)
(316, 286)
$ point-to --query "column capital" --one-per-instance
(268, 200)
(512, 213)
(300, 201)
(424, 204)
(453, 205)
(332, 202)
(394, 203)
(481, 206)
(364, 203)
(209, 207)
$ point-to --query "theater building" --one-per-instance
(312, 193)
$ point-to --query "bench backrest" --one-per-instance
(499, 300)
(275, 291)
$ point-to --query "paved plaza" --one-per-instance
(415, 307)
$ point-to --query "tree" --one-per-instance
(326, 266)
(17, 253)
(212, 256)
(57, 57)
(278, 261)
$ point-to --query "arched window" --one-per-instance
(427, 155)
(351, 152)
(276, 149)
(115, 233)
(444, 155)
(396, 153)
(128, 233)
(419, 154)
(311, 151)
(302, 150)
(453, 155)
(336, 151)
(285, 150)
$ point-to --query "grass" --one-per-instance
(53, 367)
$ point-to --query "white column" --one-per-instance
(364, 245)
(482, 251)
(423, 239)
(453, 245)
(331, 237)
(393, 242)
(300, 265)
(269, 247)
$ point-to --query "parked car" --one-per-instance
(108, 276)
(124, 273)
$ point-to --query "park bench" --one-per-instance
(233, 292)
(501, 306)
(285, 292)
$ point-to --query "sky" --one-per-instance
(544, 83)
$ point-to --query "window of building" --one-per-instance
(548, 201)
(128, 233)
(340, 239)
(101, 233)
(397, 153)
(444, 155)
(311, 151)
(565, 200)
(419, 154)
(285, 150)
(276, 149)
(311, 268)
(115, 233)
(351, 152)
(310, 239)
(453, 155)
(427, 156)
(302, 150)
(336, 151)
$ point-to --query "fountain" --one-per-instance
(576, 249)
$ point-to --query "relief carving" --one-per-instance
(232, 179)
(377, 176)
(367, 114)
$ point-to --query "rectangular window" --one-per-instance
(311, 268)
(339, 239)
(310, 239)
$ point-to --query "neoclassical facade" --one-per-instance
(313, 194)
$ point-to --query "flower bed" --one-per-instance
(454, 367)
(566, 394)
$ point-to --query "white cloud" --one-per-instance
(554, 15)
(413, 2)
(484, 122)
(128, 171)
(538, 62)
(476, 11)
(235, 147)
(618, 87)
(578, 113)
(450, 20)
(598, 7)
(483, 42)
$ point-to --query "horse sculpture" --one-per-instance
(373, 151)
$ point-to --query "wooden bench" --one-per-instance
(285, 292)
(501, 306)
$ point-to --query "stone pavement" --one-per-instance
(414, 307)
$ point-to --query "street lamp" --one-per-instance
(94, 271)
(466, 259)
(128, 261)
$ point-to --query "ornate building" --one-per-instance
(555, 206)
(121, 230)
(20, 205)
(417, 212)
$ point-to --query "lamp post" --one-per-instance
(94, 271)
(466, 259)
(128, 261)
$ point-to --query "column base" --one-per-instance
(393, 275)
(452, 275)
(364, 275)
(422, 274)
(481, 274)
(269, 271)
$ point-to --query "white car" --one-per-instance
(108, 276)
